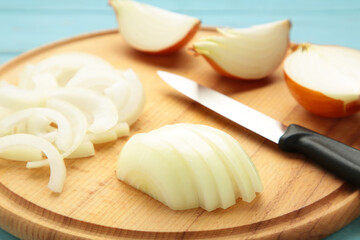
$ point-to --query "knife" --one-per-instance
(340, 159)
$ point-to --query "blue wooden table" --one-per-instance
(25, 24)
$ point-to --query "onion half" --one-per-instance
(325, 80)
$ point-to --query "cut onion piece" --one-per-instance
(247, 53)
(21, 153)
(325, 80)
(241, 181)
(135, 102)
(168, 182)
(38, 164)
(95, 78)
(103, 137)
(17, 98)
(64, 134)
(76, 119)
(151, 29)
(215, 165)
(100, 109)
(203, 179)
(120, 130)
(63, 66)
(218, 177)
(45, 81)
(57, 166)
(243, 159)
(40, 125)
(86, 149)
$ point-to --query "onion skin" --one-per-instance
(320, 104)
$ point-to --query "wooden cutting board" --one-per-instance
(299, 200)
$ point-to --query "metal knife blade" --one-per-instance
(339, 158)
(226, 106)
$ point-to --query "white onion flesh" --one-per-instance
(17, 98)
(135, 102)
(64, 133)
(21, 153)
(249, 53)
(212, 169)
(71, 101)
(56, 161)
(101, 110)
(76, 120)
(63, 66)
(149, 28)
(330, 70)
(85, 149)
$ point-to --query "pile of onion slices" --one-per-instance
(64, 105)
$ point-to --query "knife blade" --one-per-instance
(340, 159)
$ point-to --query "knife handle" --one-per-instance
(340, 159)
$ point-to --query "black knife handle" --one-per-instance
(342, 160)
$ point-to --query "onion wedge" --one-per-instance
(219, 170)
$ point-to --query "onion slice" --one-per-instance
(101, 110)
(56, 161)
(19, 98)
(63, 66)
(64, 134)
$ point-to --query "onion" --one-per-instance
(135, 102)
(76, 119)
(21, 153)
(248, 53)
(86, 149)
(64, 134)
(101, 110)
(325, 80)
(57, 166)
(188, 165)
(17, 98)
(151, 29)
(62, 66)
(70, 101)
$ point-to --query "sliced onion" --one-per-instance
(76, 119)
(167, 186)
(57, 166)
(216, 167)
(101, 110)
(86, 149)
(95, 78)
(213, 162)
(235, 168)
(64, 66)
(21, 153)
(136, 100)
(203, 179)
(64, 134)
(16, 98)
(40, 125)
(122, 129)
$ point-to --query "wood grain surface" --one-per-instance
(299, 201)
